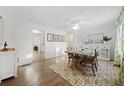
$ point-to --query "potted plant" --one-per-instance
(106, 39)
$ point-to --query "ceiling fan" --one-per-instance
(75, 22)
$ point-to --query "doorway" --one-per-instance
(70, 40)
(38, 45)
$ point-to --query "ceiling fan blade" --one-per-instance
(68, 24)
(82, 22)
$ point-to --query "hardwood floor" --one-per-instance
(37, 74)
(37, 56)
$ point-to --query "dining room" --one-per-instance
(90, 53)
(66, 46)
(79, 45)
(85, 67)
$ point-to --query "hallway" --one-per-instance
(38, 56)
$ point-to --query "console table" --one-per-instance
(8, 66)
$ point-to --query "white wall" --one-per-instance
(18, 34)
(54, 49)
(1, 31)
(108, 30)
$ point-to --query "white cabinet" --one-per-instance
(8, 67)
(105, 53)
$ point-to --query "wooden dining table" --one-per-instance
(80, 52)
(78, 57)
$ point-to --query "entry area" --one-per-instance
(38, 45)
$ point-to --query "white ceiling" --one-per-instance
(57, 16)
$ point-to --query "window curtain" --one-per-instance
(122, 61)
(119, 47)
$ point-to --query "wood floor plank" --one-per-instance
(37, 74)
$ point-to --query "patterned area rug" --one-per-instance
(107, 75)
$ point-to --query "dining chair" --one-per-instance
(70, 58)
(75, 61)
(96, 54)
(92, 60)
(70, 55)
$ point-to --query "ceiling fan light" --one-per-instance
(36, 31)
(75, 27)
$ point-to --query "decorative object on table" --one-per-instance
(5, 45)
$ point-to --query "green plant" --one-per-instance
(105, 38)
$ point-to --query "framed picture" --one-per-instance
(60, 38)
(49, 37)
(55, 38)
(63, 38)
(95, 38)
